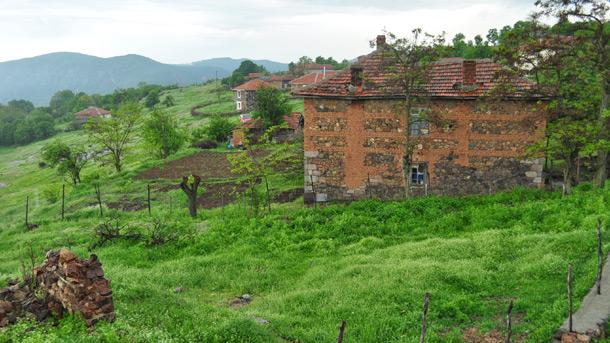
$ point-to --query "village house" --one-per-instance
(462, 141)
(309, 79)
(281, 81)
(317, 68)
(80, 118)
(253, 129)
(245, 94)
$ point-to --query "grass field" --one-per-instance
(369, 262)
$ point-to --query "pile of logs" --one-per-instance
(63, 283)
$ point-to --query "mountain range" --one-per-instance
(37, 78)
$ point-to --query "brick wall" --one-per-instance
(355, 148)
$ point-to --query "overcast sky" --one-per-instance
(182, 31)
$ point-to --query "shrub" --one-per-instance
(51, 194)
(205, 144)
(218, 129)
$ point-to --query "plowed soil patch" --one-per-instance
(206, 164)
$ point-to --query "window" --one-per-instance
(238, 94)
(239, 105)
(418, 123)
(418, 174)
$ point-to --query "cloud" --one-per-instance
(187, 30)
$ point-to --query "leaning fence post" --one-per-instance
(570, 304)
(509, 323)
(63, 200)
(148, 197)
(341, 332)
(600, 257)
(424, 320)
(27, 209)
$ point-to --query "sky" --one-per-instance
(184, 31)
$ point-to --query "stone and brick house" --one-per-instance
(462, 141)
(80, 118)
(281, 81)
(253, 129)
(245, 94)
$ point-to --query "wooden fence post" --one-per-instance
(27, 209)
(148, 197)
(600, 257)
(424, 320)
(509, 323)
(570, 304)
(63, 200)
(98, 194)
(341, 332)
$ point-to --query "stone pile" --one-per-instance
(75, 285)
(62, 283)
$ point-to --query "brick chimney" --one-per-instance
(470, 72)
(380, 42)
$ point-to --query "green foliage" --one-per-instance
(21, 123)
(68, 160)
(218, 129)
(162, 134)
(52, 193)
(114, 133)
(240, 74)
(271, 106)
(152, 98)
(169, 101)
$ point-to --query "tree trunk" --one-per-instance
(602, 155)
(567, 180)
(191, 192)
(117, 162)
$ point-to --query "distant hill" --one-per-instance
(38, 78)
(231, 64)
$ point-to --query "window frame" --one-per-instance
(418, 126)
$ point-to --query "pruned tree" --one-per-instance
(114, 134)
(190, 187)
(592, 29)
(68, 160)
(407, 62)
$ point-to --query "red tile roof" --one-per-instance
(446, 79)
(281, 78)
(255, 123)
(92, 111)
(255, 75)
(252, 85)
(316, 66)
(311, 78)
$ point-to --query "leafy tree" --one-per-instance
(162, 134)
(240, 74)
(22, 105)
(407, 63)
(219, 128)
(115, 133)
(592, 30)
(151, 99)
(68, 160)
(271, 105)
(169, 101)
(61, 103)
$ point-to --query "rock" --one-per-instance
(261, 321)
(179, 290)
(246, 297)
(3, 185)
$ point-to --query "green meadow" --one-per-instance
(306, 268)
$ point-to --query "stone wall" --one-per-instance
(473, 146)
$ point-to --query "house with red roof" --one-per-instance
(254, 128)
(309, 79)
(81, 117)
(459, 138)
(317, 68)
(245, 94)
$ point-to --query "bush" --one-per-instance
(218, 129)
(205, 144)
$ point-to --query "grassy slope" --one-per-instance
(368, 263)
